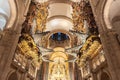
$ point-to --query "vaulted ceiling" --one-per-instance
(59, 14)
(59, 29)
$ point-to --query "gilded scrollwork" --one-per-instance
(38, 13)
(82, 16)
(28, 49)
(41, 16)
(88, 50)
(78, 17)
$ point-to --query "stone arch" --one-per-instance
(62, 31)
(112, 17)
(13, 14)
(3, 21)
(111, 12)
(71, 37)
(105, 76)
(106, 14)
(4, 13)
(12, 76)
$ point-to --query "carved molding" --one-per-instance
(59, 16)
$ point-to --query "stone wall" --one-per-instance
(108, 35)
(9, 40)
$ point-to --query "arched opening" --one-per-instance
(115, 16)
(111, 11)
(112, 17)
(105, 76)
(13, 13)
(4, 13)
(13, 76)
(58, 69)
(59, 39)
(59, 36)
(2, 22)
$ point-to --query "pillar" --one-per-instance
(7, 48)
(108, 39)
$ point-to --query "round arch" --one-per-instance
(8, 10)
(4, 13)
(12, 76)
(111, 11)
(13, 14)
(62, 31)
(112, 17)
(106, 14)
(105, 76)
(3, 21)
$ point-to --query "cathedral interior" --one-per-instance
(59, 39)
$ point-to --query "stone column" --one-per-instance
(77, 72)
(7, 48)
(41, 71)
(71, 70)
(112, 53)
(93, 74)
(108, 39)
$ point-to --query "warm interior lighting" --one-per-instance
(41, 1)
(58, 70)
(59, 23)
